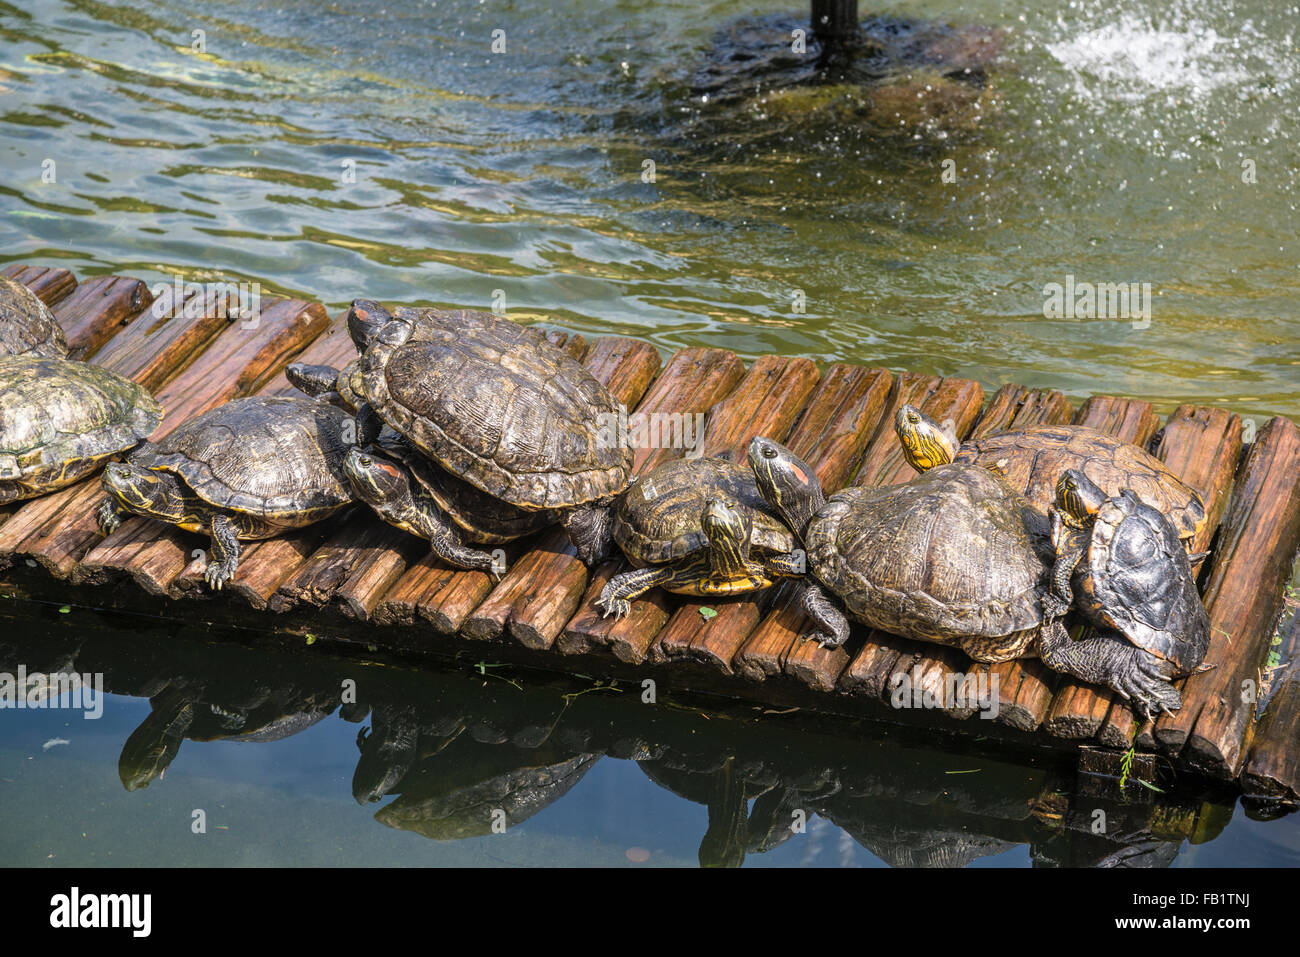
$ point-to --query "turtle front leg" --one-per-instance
(1069, 545)
(591, 530)
(616, 597)
(447, 546)
(1108, 658)
(787, 565)
(832, 627)
(368, 425)
(108, 516)
(225, 552)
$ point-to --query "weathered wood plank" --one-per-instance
(1256, 548)
(690, 384)
(97, 308)
(1078, 709)
(50, 283)
(1202, 446)
(1272, 769)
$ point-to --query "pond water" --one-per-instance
(340, 149)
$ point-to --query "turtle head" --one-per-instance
(148, 492)
(365, 318)
(925, 442)
(786, 482)
(1078, 498)
(377, 481)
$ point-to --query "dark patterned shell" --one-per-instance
(658, 519)
(280, 459)
(1138, 580)
(27, 327)
(484, 520)
(500, 406)
(61, 420)
(1033, 459)
(953, 553)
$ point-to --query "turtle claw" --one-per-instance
(107, 518)
(612, 605)
(217, 574)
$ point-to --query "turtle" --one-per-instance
(61, 420)
(246, 470)
(437, 506)
(956, 556)
(1034, 458)
(690, 527)
(27, 327)
(497, 405)
(341, 387)
(1130, 573)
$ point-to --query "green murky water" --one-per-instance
(333, 150)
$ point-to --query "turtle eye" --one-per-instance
(913, 418)
(769, 452)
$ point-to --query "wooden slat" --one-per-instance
(96, 309)
(50, 283)
(1251, 562)
(692, 382)
(152, 349)
(1202, 446)
(1272, 769)
(233, 365)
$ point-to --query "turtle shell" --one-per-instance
(1138, 580)
(484, 520)
(952, 554)
(61, 420)
(658, 518)
(498, 405)
(27, 327)
(279, 459)
(1033, 459)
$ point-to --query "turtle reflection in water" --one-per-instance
(895, 75)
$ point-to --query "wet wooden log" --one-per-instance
(1252, 560)
(97, 308)
(1202, 446)
(1272, 768)
(537, 595)
(236, 361)
(1078, 709)
(50, 283)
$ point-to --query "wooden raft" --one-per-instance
(358, 569)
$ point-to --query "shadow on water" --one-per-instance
(461, 755)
